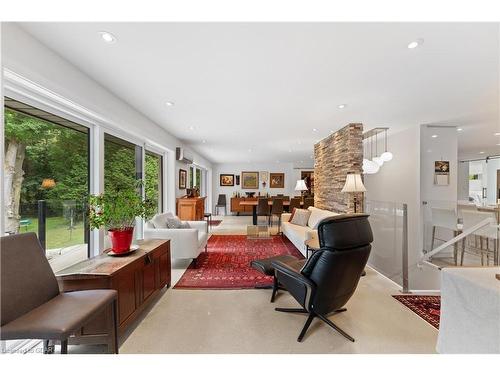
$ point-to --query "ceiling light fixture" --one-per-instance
(169, 104)
(315, 130)
(459, 129)
(415, 43)
(386, 155)
(203, 141)
(434, 136)
(107, 37)
(497, 134)
(341, 106)
(191, 127)
(481, 152)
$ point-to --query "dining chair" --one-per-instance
(263, 209)
(445, 218)
(221, 203)
(483, 241)
(277, 210)
(308, 202)
(294, 203)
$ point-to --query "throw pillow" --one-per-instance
(185, 225)
(291, 216)
(159, 221)
(174, 223)
(301, 217)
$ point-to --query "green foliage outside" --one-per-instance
(60, 153)
(58, 233)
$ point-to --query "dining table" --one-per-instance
(254, 204)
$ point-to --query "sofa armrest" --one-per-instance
(199, 225)
(311, 234)
(285, 216)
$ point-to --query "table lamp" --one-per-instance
(301, 186)
(354, 184)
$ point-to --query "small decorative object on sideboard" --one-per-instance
(250, 194)
(264, 176)
(117, 210)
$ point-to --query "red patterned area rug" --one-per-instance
(226, 264)
(426, 307)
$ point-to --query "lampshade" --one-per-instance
(48, 183)
(353, 184)
(301, 185)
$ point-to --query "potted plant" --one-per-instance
(117, 211)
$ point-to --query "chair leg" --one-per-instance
(113, 330)
(275, 289)
(306, 326)
(48, 347)
(433, 237)
(329, 322)
(64, 346)
(287, 310)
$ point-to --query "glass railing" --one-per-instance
(460, 235)
(389, 254)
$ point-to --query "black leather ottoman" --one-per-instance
(265, 266)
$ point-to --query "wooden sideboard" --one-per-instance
(138, 278)
(238, 208)
(191, 209)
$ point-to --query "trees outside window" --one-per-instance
(153, 179)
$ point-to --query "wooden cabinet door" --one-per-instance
(124, 283)
(148, 278)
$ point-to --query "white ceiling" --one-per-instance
(254, 92)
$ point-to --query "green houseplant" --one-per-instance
(116, 211)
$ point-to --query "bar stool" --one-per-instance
(445, 218)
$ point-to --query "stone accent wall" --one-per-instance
(335, 156)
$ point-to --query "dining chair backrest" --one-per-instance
(277, 206)
(444, 218)
(308, 202)
(294, 203)
(472, 218)
(221, 201)
(263, 207)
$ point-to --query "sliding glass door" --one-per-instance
(47, 181)
(154, 179)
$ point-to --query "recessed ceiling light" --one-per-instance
(169, 104)
(498, 144)
(434, 136)
(249, 150)
(415, 43)
(290, 150)
(481, 152)
(459, 129)
(191, 127)
(203, 141)
(497, 134)
(107, 37)
(315, 130)
(341, 106)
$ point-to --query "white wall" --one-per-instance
(398, 181)
(291, 177)
(25, 56)
(491, 182)
(463, 181)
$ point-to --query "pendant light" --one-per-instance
(377, 159)
(386, 156)
(369, 166)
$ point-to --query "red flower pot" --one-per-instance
(121, 239)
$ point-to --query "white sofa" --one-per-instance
(185, 243)
(297, 234)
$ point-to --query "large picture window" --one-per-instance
(46, 173)
(154, 179)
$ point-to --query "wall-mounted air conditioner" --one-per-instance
(182, 156)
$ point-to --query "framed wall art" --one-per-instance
(250, 180)
(276, 180)
(441, 173)
(182, 178)
(226, 179)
